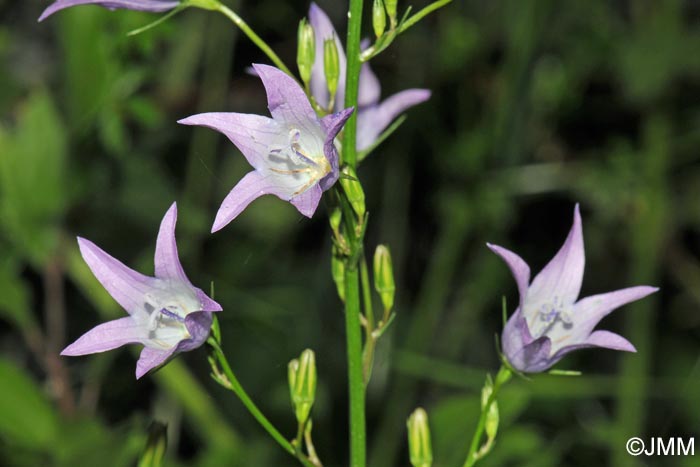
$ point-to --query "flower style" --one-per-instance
(167, 314)
(550, 322)
(293, 153)
(372, 116)
(154, 6)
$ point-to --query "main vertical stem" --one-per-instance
(356, 385)
(352, 80)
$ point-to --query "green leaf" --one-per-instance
(33, 172)
(27, 417)
(14, 296)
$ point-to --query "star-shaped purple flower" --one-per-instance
(293, 153)
(550, 322)
(167, 314)
(373, 117)
(141, 5)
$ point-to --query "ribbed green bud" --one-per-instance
(419, 447)
(384, 276)
(302, 384)
(331, 65)
(378, 18)
(306, 50)
(338, 273)
(353, 190)
(390, 6)
(491, 425)
(156, 445)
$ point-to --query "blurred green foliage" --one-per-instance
(536, 105)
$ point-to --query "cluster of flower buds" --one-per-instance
(419, 445)
(302, 384)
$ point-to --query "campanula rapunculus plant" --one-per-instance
(167, 314)
(550, 322)
(373, 117)
(293, 153)
(155, 6)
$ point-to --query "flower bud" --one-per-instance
(419, 447)
(338, 273)
(384, 276)
(302, 384)
(378, 18)
(306, 50)
(491, 425)
(390, 6)
(156, 445)
(331, 65)
(353, 190)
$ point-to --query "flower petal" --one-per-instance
(562, 276)
(307, 202)
(251, 186)
(125, 285)
(590, 310)
(323, 29)
(151, 359)
(369, 89)
(373, 120)
(287, 101)
(518, 267)
(603, 339)
(533, 357)
(198, 324)
(166, 259)
(207, 303)
(332, 124)
(107, 336)
(141, 5)
(253, 135)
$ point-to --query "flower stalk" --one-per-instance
(475, 453)
(223, 374)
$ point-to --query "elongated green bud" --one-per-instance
(384, 277)
(419, 446)
(390, 6)
(353, 190)
(378, 18)
(156, 445)
(306, 50)
(331, 65)
(491, 426)
(302, 384)
(338, 273)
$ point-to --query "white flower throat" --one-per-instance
(551, 318)
(301, 158)
(164, 312)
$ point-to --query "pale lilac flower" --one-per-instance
(550, 322)
(155, 6)
(293, 153)
(373, 117)
(167, 314)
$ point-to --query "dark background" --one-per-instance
(536, 106)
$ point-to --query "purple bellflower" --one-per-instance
(293, 153)
(167, 314)
(550, 322)
(155, 6)
(373, 117)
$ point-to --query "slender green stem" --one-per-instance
(352, 79)
(236, 387)
(356, 385)
(502, 376)
(422, 14)
(257, 40)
